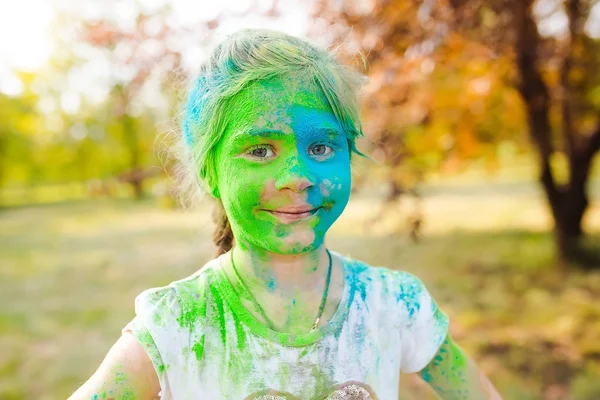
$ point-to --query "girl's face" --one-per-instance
(282, 148)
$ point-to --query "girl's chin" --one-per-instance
(302, 241)
(294, 243)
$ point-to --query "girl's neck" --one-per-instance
(286, 273)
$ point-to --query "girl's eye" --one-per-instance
(321, 150)
(261, 151)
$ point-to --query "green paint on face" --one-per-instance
(282, 146)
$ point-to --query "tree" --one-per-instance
(20, 127)
(149, 52)
(579, 133)
(450, 80)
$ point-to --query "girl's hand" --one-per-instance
(454, 376)
(126, 373)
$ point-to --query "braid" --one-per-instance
(223, 236)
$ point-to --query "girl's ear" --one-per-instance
(214, 189)
(211, 185)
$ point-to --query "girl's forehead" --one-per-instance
(276, 103)
(292, 105)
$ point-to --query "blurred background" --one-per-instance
(483, 118)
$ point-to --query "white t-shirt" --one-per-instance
(204, 344)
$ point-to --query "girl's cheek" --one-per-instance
(337, 179)
(325, 187)
(267, 190)
(339, 191)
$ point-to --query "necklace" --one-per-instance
(262, 312)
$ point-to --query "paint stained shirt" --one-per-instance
(204, 344)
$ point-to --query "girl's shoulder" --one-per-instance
(385, 275)
(393, 287)
(180, 298)
(189, 283)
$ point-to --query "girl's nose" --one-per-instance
(295, 176)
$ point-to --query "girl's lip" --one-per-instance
(294, 209)
(287, 217)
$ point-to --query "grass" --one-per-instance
(70, 273)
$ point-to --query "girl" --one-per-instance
(270, 128)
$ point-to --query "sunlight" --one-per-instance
(27, 42)
(24, 38)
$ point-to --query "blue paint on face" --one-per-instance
(331, 176)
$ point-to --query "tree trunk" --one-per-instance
(131, 140)
(569, 202)
(568, 218)
(138, 189)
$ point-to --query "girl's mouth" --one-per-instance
(289, 217)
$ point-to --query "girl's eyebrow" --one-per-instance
(277, 134)
(331, 132)
(253, 133)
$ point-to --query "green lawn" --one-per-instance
(70, 273)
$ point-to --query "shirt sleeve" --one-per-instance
(155, 309)
(425, 325)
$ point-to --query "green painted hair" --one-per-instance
(245, 57)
